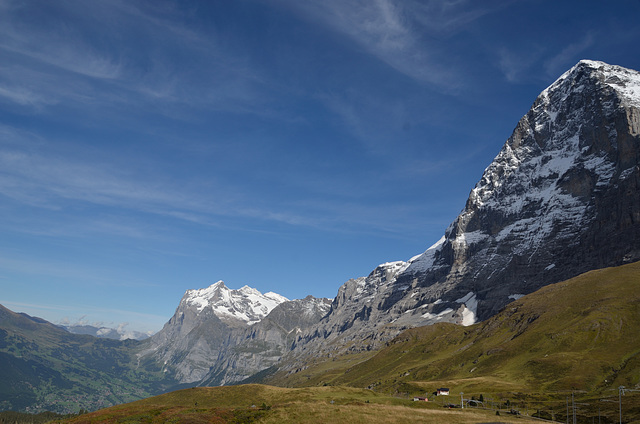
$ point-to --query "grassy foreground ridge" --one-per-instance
(267, 404)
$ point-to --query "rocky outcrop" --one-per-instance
(265, 343)
(220, 336)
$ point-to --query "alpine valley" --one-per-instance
(560, 199)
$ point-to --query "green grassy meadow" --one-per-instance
(268, 404)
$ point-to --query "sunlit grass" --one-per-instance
(265, 404)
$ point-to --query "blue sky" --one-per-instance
(151, 147)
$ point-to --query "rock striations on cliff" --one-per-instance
(560, 198)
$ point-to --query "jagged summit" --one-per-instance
(625, 81)
(246, 304)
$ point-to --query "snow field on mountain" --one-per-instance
(246, 304)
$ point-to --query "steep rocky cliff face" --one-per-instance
(265, 343)
(220, 336)
(559, 199)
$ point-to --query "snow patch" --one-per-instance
(467, 239)
(437, 317)
(627, 173)
(470, 308)
(515, 296)
(103, 331)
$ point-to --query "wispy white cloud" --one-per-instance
(537, 59)
(52, 42)
(385, 30)
(64, 186)
(569, 55)
(447, 17)
(34, 174)
(69, 271)
(376, 125)
(105, 56)
(402, 34)
(23, 96)
(516, 65)
(39, 179)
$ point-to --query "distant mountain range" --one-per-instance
(568, 344)
(119, 333)
(44, 367)
(561, 198)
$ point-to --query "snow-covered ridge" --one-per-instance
(313, 304)
(625, 81)
(424, 260)
(246, 304)
(365, 289)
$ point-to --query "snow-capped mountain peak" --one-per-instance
(559, 199)
(626, 82)
(568, 149)
(245, 304)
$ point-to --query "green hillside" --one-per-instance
(581, 335)
(47, 368)
(267, 404)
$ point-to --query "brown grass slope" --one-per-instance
(234, 404)
(583, 333)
